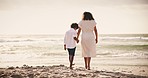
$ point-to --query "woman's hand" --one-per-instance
(79, 31)
(96, 33)
(96, 41)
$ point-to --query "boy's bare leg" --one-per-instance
(71, 60)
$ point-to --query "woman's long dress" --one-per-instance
(88, 38)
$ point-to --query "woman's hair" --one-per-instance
(87, 16)
(74, 25)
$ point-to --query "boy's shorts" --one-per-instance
(71, 51)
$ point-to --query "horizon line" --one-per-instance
(98, 34)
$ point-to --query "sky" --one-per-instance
(56, 16)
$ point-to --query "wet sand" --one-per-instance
(62, 71)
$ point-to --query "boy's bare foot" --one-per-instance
(71, 68)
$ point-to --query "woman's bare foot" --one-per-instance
(88, 68)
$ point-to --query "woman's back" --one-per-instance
(87, 38)
(87, 25)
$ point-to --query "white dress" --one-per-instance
(88, 42)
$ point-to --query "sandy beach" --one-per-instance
(62, 71)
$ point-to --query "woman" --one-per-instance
(88, 39)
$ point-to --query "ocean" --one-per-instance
(35, 50)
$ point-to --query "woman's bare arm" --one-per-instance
(79, 31)
(96, 34)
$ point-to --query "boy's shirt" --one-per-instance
(69, 38)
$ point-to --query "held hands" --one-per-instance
(77, 41)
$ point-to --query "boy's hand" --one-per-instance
(64, 47)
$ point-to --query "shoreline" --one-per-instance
(62, 71)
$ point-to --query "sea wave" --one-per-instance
(132, 55)
(124, 38)
(3, 40)
(60, 38)
(29, 40)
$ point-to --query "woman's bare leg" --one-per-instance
(89, 59)
(85, 59)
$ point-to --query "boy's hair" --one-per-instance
(74, 25)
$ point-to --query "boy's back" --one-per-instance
(69, 38)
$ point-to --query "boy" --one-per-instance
(70, 40)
